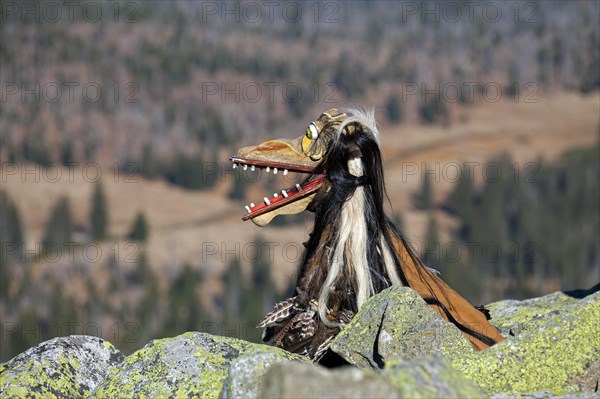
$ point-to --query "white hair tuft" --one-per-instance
(365, 117)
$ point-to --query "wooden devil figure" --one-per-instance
(354, 250)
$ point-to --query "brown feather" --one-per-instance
(283, 310)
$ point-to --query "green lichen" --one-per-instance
(397, 322)
(555, 339)
(245, 377)
(45, 379)
(298, 380)
(190, 365)
(54, 368)
(18, 392)
(516, 317)
(542, 359)
(431, 377)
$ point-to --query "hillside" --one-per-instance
(183, 223)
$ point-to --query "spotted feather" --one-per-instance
(283, 310)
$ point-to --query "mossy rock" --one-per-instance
(245, 373)
(548, 358)
(397, 323)
(66, 367)
(191, 365)
(297, 380)
(549, 395)
(432, 377)
(516, 317)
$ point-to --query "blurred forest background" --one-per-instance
(119, 214)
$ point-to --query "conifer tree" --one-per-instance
(139, 229)
(459, 200)
(262, 296)
(435, 110)
(59, 229)
(426, 194)
(233, 290)
(115, 272)
(11, 240)
(149, 301)
(4, 277)
(185, 308)
(431, 250)
(11, 231)
(62, 306)
(67, 155)
(149, 165)
(393, 108)
(398, 220)
(98, 214)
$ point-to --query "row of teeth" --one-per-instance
(267, 201)
(268, 169)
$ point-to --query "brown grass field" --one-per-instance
(186, 226)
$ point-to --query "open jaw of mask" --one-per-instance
(288, 201)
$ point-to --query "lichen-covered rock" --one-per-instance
(245, 373)
(405, 348)
(67, 367)
(516, 317)
(191, 365)
(432, 377)
(397, 323)
(549, 395)
(548, 357)
(297, 380)
(553, 348)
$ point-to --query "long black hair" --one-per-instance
(355, 142)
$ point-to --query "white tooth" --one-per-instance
(248, 209)
(245, 167)
(252, 205)
(298, 187)
(252, 168)
(285, 172)
(275, 195)
(268, 169)
(285, 194)
(267, 201)
(274, 171)
(234, 165)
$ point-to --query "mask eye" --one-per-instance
(312, 132)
